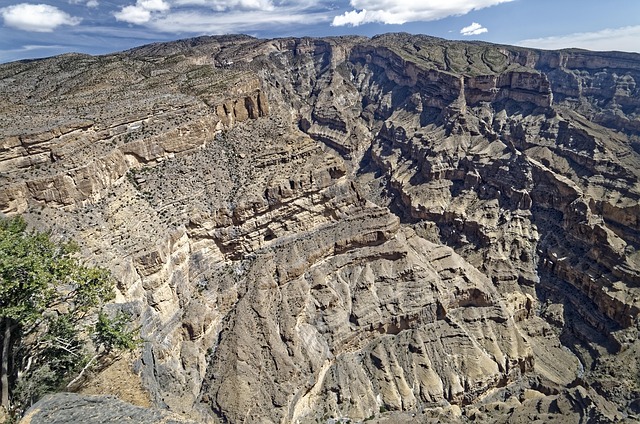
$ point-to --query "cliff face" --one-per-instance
(320, 228)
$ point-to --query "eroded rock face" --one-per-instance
(70, 408)
(381, 228)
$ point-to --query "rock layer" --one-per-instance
(309, 229)
(69, 408)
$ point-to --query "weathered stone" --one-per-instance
(70, 408)
(397, 228)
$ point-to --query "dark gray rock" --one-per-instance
(71, 408)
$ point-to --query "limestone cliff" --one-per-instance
(313, 229)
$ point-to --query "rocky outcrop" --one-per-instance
(521, 87)
(152, 135)
(316, 229)
(336, 326)
(72, 408)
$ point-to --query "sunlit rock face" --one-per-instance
(394, 228)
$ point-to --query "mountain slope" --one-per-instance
(348, 227)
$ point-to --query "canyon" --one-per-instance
(391, 229)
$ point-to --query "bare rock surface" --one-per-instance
(394, 229)
(63, 408)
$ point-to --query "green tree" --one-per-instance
(113, 333)
(45, 293)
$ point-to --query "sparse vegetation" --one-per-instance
(323, 217)
(47, 296)
(113, 333)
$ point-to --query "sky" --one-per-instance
(41, 28)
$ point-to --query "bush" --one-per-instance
(46, 293)
(113, 333)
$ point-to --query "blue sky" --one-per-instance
(39, 28)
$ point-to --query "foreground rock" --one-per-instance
(381, 229)
(69, 408)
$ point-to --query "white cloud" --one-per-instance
(36, 17)
(133, 15)
(224, 5)
(88, 3)
(621, 39)
(30, 47)
(141, 12)
(352, 18)
(155, 13)
(153, 5)
(223, 16)
(473, 29)
(402, 11)
(26, 50)
(236, 21)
